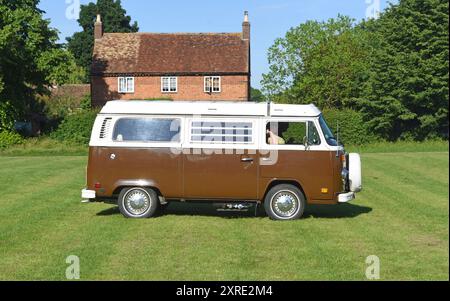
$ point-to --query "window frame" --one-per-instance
(126, 79)
(180, 134)
(212, 84)
(221, 144)
(169, 78)
(301, 147)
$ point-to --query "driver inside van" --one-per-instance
(273, 139)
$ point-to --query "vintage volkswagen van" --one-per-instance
(145, 154)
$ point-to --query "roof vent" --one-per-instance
(106, 128)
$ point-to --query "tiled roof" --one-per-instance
(170, 53)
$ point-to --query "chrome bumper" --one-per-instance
(346, 197)
(88, 194)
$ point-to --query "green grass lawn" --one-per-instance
(402, 217)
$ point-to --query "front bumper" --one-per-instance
(88, 194)
(346, 197)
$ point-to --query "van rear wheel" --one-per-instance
(138, 202)
(285, 202)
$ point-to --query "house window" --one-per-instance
(126, 84)
(212, 84)
(169, 84)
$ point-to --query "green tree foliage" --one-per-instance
(8, 139)
(25, 41)
(318, 62)
(114, 19)
(406, 95)
(60, 68)
(257, 95)
(76, 128)
(393, 69)
(353, 130)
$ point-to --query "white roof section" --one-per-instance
(219, 108)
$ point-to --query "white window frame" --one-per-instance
(169, 78)
(126, 79)
(212, 84)
(270, 147)
(110, 142)
(189, 143)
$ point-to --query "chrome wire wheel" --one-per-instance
(285, 204)
(137, 202)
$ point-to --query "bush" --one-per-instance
(76, 128)
(352, 128)
(8, 139)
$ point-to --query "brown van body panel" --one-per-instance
(205, 174)
(160, 167)
(220, 175)
(312, 170)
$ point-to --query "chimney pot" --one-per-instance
(246, 16)
(98, 28)
(246, 27)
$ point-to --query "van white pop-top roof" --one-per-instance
(218, 108)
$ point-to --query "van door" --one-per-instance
(220, 160)
(297, 153)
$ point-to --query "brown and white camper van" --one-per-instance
(146, 154)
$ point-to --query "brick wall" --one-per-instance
(234, 88)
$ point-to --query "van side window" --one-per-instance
(292, 133)
(147, 130)
(221, 132)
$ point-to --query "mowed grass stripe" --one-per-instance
(404, 200)
(92, 241)
(407, 184)
(398, 245)
(41, 212)
(39, 197)
(28, 177)
(233, 249)
(60, 233)
(413, 169)
(409, 224)
(408, 198)
(191, 243)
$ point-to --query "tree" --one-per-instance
(25, 40)
(114, 19)
(257, 95)
(60, 67)
(406, 94)
(318, 62)
(395, 69)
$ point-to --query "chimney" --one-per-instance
(246, 27)
(98, 28)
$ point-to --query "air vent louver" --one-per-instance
(106, 127)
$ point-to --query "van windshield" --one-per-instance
(329, 137)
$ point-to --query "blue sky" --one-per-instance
(270, 19)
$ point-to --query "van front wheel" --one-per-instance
(285, 202)
(138, 202)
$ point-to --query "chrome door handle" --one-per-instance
(247, 160)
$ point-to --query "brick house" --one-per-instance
(176, 66)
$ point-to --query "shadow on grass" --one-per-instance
(347, 210)
(199, 209)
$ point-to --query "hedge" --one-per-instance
(8, 139)
(76, 128)
(352, 127)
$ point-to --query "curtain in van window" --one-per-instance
(147, 130)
